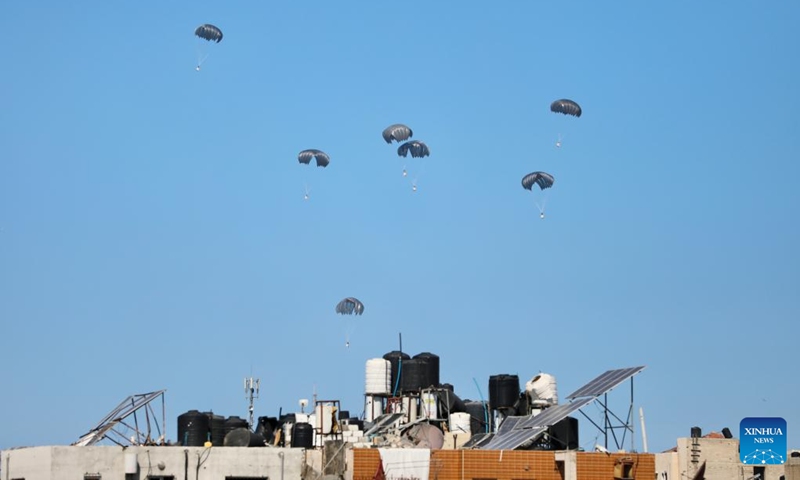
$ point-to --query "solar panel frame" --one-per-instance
(605, 382)
(516, 431)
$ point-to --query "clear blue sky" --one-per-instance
(153, 232)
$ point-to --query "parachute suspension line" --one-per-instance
(415, 180)
(199, 51)
(347, 329)
(203, 51)
(541, 205)
(201, 60)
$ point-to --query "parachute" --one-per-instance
(305, 158)
(209, 32)
(397, 132)
(544, 180)
(567, 107)
(350, 306)
(207, 36)
(321, 157)
(418, 149)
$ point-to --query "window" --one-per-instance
(759, 472)
(623, 469)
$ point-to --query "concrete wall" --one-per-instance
(514, 465)
(721, 456)
(184, 463)
(792, 468)
(666, 465)
(36, 461)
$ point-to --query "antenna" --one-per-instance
(251, 387)
(644, 432)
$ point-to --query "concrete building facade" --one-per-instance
(153, 463)
(721, 459)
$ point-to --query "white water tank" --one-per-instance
(542, 390)
(460, 423)
(324, 418)
(287, 433)
(373, 408)
(131, 463)
(410, 407)
(429, 405)
(378, 377)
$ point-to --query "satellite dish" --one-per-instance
(600, 448)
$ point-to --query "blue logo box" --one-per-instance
(762, 441)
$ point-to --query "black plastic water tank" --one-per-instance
(523, 404)
(287, 418)
(217, 428)
(266, 427)
(696, 432)
(232, 423)
(357, 422)
(302, 435)
(344, 414)
(242, 437)
(415, 375)
(480, 418)
(395, 358)
(503, 391)
(450, 402)
(432, 361)
(564, 434)
(193, 428)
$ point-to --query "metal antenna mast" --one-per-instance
(251, 387)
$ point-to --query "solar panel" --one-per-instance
(524, 429)
(475, 441)
(384, 422)
(512, 440)
(553, 415)
(605, 382)
(508, 424)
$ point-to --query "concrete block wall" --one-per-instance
(601, 466)
(513, 465)
(57, 463)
